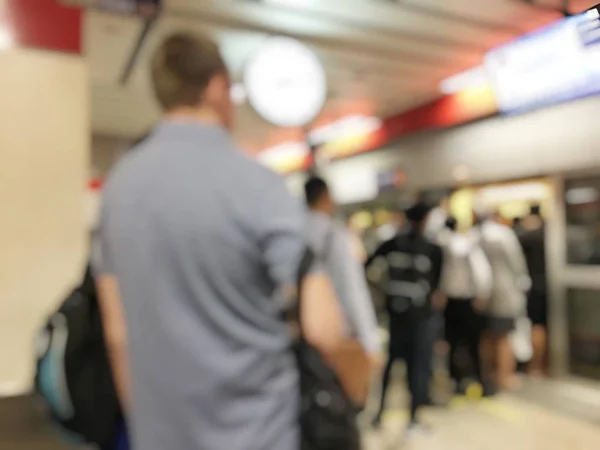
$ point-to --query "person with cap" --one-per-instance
(415, 267)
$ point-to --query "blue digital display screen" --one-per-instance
(556, 64)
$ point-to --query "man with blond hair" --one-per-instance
(199, 255)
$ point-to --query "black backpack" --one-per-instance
(73, 380)
(327, 416)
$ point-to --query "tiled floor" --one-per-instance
(23, 428)
(503, 423)
(506, 422)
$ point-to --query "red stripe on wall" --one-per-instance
(450, 110)
(44, 24)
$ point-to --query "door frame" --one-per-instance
(563, 276)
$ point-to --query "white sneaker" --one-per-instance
(416, 429)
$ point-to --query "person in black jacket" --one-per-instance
(533, 240)
(415, 267)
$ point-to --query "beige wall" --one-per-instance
(553, 140)
(106, 151)
(44, 145)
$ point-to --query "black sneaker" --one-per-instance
(376, 422)
(489, 389)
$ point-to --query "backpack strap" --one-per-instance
(87, 286)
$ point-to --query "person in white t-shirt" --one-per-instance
(467, 284)
(508, 298)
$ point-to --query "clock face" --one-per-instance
(285, 83)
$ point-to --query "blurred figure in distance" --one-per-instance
(532, 237)
(436, 219)
(335, 245)
(467, 284)
(415, 267)
(517, 225)
(200, 249)
(507, 302)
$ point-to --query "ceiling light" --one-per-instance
(474, 77)
(346, 126)
(356, 186)
(6, 38)
(282, 154)
(583, 195)
(514, 192)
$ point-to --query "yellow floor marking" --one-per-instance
(490, 406)
(501, 410)
(460, 402)
(395, 415)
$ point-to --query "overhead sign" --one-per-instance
(556, 64)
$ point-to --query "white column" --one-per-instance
(44, 147)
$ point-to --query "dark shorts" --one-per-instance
(537, 308)
(462, 319)
(500, 324)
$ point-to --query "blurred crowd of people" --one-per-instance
(492, 295)
(234, 318)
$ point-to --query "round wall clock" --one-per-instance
(285, 82)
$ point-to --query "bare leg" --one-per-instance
(538, 361)
(506, 362)
(488, 356)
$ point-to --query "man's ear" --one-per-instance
(216, 90)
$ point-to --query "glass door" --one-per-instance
(582, 275)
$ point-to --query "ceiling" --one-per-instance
(381, 56)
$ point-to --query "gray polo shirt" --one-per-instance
(201, 238)
(332, 242)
